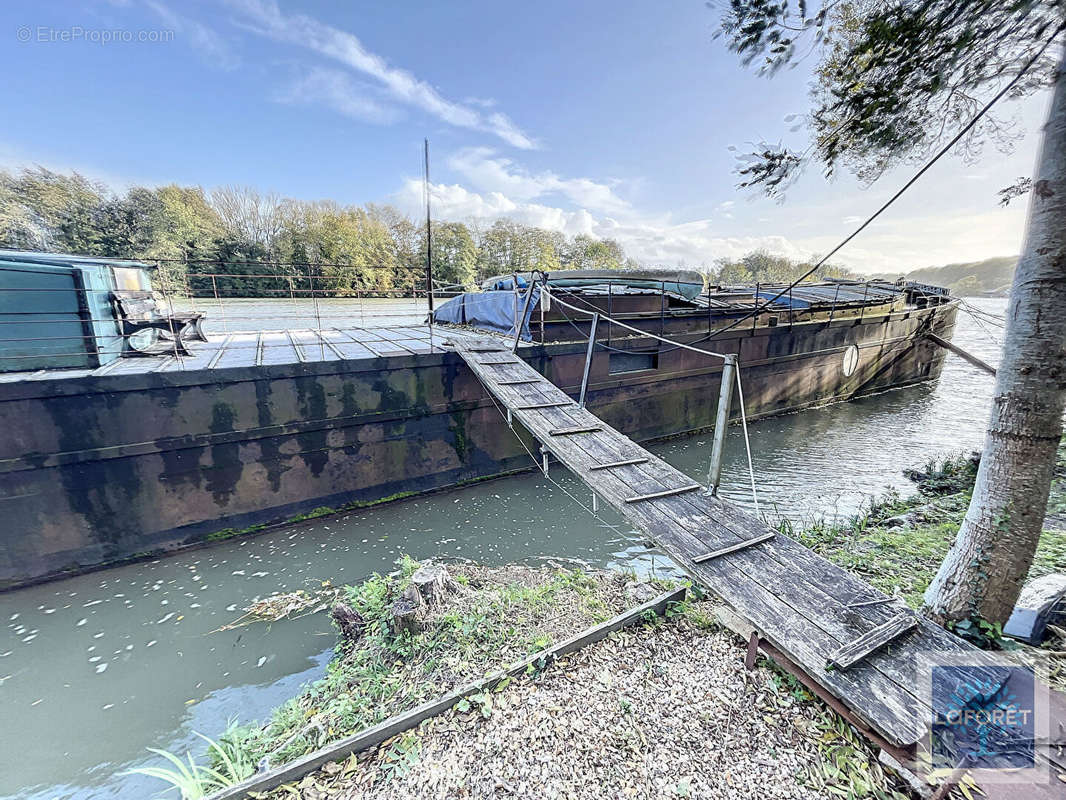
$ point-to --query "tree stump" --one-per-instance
(429, 587)
(408, 611)
(433, 583)
(348, 621)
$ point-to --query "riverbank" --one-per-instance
(899, 542)
(665, 709)
(633, 715)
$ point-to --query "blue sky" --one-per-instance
(607, 118)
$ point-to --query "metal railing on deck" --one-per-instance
(292, 299)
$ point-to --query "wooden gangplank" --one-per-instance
(857, 643)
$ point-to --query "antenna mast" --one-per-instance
(429, 242)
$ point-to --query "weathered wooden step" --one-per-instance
(724, 551)
(535, 406)
(612, 464)
(664, 493)
(872, 640)
(575, 429)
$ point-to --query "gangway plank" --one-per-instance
(805, 606)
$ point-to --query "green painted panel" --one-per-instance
(41, 319)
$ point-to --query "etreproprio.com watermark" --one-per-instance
(45, 34)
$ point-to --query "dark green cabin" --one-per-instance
(56, 310)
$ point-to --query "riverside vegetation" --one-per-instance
(776, 737)
(897, 545)
(653, 694)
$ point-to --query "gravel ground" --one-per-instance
(660, 711)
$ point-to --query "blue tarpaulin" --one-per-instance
(784, 299)
(490, 311)
(805, 295)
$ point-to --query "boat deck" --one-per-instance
(267, 348)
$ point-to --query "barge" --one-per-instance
(149, 443)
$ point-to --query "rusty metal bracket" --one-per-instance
(753, 651)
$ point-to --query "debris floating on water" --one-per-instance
(285, 605)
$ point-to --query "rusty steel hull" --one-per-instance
(99, 470)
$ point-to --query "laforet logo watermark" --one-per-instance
(43, 34)
(989, 716)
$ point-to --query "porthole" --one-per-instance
(851, 361)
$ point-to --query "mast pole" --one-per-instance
(429, 245)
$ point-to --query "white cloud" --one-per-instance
(492, 173)
(504, 127)
(455, 202)
(927, 240)
(651, 241)
(338, 91)
(902, 245)
(200, 37)
(266, 19)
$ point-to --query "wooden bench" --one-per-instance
(141, 310)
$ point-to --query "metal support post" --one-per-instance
(521, 321)
(588, 359)
(721, 423)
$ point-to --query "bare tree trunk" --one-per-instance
(991, 555)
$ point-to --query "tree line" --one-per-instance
(760, 266)
(240, 242)
(235, 240)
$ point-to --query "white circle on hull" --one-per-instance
(851, 361)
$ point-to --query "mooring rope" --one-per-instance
(747, 443)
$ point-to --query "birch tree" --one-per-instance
(895, 80)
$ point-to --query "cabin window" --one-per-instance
(128, 279)
(632, 362)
